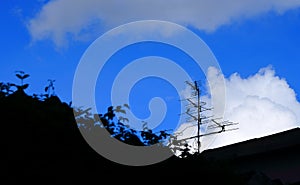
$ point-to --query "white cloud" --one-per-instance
(78, 19)
(262, 104)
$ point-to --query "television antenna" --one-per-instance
(194, 112)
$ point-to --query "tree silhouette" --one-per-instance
(119, 129)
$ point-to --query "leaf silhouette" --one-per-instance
(25, 76)
(21, 72)
(19, 76)
(25, 86)
(126, 105)
(46, 89)
(122, 119)
(120, 110)
(145, 125)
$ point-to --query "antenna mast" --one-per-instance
(198, 115)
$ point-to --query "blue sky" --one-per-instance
(243, 43)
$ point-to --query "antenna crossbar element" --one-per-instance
(193, 103)
(210, 133)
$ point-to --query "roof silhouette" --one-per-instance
(277, 155)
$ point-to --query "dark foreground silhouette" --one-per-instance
(41, 144)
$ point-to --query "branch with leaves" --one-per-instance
(49, 89)
(22, 76)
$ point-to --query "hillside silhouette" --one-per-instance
(42, 144)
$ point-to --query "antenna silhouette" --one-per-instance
(194, 109)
